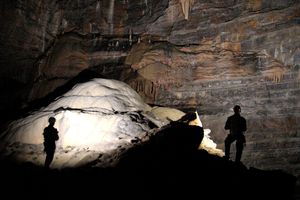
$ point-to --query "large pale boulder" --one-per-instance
(96, 120)
(96, 116)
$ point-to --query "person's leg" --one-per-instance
(229, 139)
(239, 150)
(49, 158)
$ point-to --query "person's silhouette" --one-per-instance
(236, 124)
(50, 137)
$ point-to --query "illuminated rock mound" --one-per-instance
(96, 120)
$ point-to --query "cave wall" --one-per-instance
(92, 34)
(27, 27)
(227, 53)
(189, 54)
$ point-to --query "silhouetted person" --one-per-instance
(50, 137)
(236, 124)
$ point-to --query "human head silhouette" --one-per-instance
(51, 121)
(237, 109)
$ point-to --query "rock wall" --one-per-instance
(272, 113)
(268, 97)
(27, 29)
(227, 53)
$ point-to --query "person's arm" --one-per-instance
(244, 125)
(56, 135)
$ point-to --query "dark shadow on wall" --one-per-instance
(82, 77)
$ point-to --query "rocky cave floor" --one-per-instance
(152, 170)
(210, 177)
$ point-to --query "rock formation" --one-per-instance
(97, 121)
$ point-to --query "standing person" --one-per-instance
(236, 124)
(50, 137)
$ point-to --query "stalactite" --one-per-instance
(98, 10)
(98, 6)
(154, 94)
(152, 88)
(130, 37)
(274, 74)
(111, 16)
(271, 68)
(44, 29)
(186, 6)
